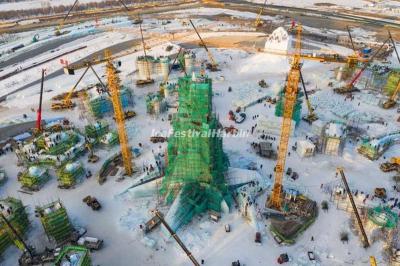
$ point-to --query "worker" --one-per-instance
(202, 261)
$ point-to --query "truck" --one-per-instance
(91, 243)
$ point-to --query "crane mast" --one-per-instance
(291, 90)
(113, 85)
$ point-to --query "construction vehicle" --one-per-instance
(391, 102)
(283, 258)
(176, 237)
(128, 114)
(350, 86)
(114, 87)
(291, 90)
(148, 80)
(392, 165)
(92, 202)
(92, 158)
(311, 116)
(259, 22)
(360, 225)
(212, 65)
(91, 243)
(66, 102)
(380, 192)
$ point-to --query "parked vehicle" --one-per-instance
(91, 243)
(227, 228)
(283, 258)
(157, 139)
(258, 238)
(92, 202)
(380, 192)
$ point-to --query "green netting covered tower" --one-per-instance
(15, 213)
(73, 255)
(196, 161)
(55, 221)
(280, 105)
(70, 174)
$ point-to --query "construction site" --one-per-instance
(199, 133)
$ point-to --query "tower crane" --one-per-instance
(61, 25)
(213, 66)
(258, 22)
(346, 185)
(392, 100)
(176, 237)
(114, 87)
(291, 90)
(29, 257)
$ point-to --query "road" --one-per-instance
(51, 45)
(115, 49)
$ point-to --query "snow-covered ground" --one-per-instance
(118, 222)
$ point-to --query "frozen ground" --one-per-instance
(118, 222)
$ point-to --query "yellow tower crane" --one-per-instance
(258, 22)
(291, 91)
(114, 86)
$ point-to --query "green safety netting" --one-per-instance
(196, 161)
(383, 216)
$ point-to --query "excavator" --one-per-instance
(212, 65)
(391, 102)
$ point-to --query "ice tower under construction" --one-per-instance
(194, 178)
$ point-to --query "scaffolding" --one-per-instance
(102, 105)
(73, 255)
(96, 130)
(280, 105)
(55, 222)
(392, 81)
(196, 161)
(70, 174)
(16, 215)
(34, 177)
